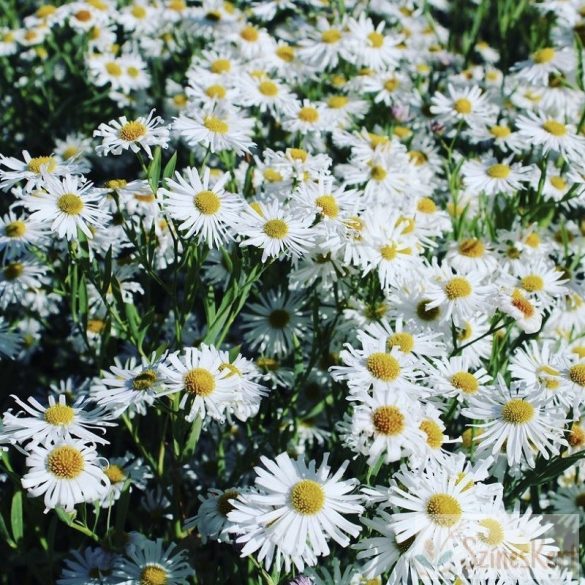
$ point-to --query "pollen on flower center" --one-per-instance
(433, 432)
(249, 33)
(577, 374)
(378, 173)
(465, 382)
(331, 36)
(403, 340)
(426, 205)
(59, 414)
(576, 436)
(307, 497)
(376, 39)
(221, 66)
(15, 229)
(153, 575)
(48, 163)
(215, 91)
(216, 125)
(517, 411)
(268, 88)
(472, 248)
(297, 154)
(388, 420)
(308, 114)
(498, 171)
(427, 314)
(500, 131)
(65, 462)
(544, 55)
(132, 131)
(457, 288)
(144, 380)
(286, 53)
(532, 283)
(276, 228)
(389, 252)
(522, 304)
(115, 474)
(279, 318)
(328, 205)
(224, 506)
(200, 382)
(337, 101)
(383, 366)
(555, 128)
(493, 533)
(207, 202)
(444, 510)
(70, 203)
(463, 106)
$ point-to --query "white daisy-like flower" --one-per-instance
(296, 509)
(204, 210)
(123, 134)
(197, 372)
(276, 229)
(525, 311)
(218, 130)
(517, 421)
(70, 203)
(552, 134)
(124, 472)
(18, 277)
(492, 177)
(306, 117)
(57, 421)
(325, 44)
(456, 376)
(148, 562)
(543, 63)
(370, 46)
(67, 473)
(211, 520)
(472, 255)
(92, 566)
(468, 105)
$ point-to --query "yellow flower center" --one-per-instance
(286, 53)
(116, 184)
(138, 12)
(65, 462)
(46, 163)
(378, 173)
(522, 304)
(83, 15)
(545, 55)
(113, 69)
(555, 128)
(13, 270)
(376, 39)
(517, 412)
(498, 171)
(532, 283)
(389, 252)
(279, 318)
(180, 100)
(426, 205)
(132, 131)
(144, 380)
(207, 202)
(95, 325)
(465, 382)
(417, 157)
(391, 84)
(457, 288)
(402, 132)
(472, 248)
(577, 374)
(232, 369)
(388, 420)
(272, 175)
(224, 506)
(425, 314)
(337, 102)
(383, 366)
(216, 125)
(558, 183)
(463, 106)
(433, 432)
(403, 340)
(276, 229)
(444, 510)
(576, 436)
(15, 229)
(308, 114)
(268, 88)
(221, 66)
(215, 92)
(249, 34)
(331, 36)
(200, 382)
(500, 131)
(70, 203)
(493, 534)
(307, 497)
(153, 575)
(115, 474)
(59, 415)
(297, 154)
(328, 206)
(45, 11)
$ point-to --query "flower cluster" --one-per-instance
(292, 290)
